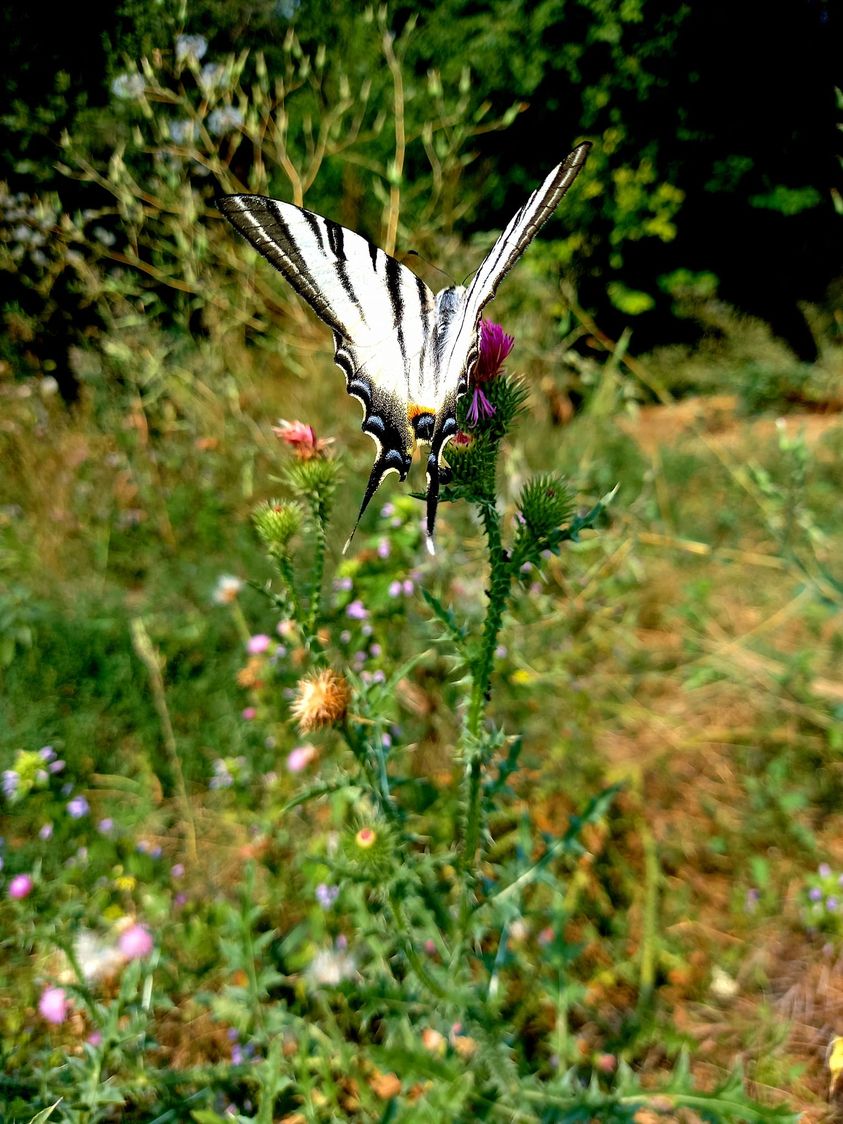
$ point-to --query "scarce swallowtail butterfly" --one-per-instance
(407, 354)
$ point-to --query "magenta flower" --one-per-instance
(495, 346)
(248, 713)
(20, 887)
(135, 942)
(53, 1005)
(258, 644)
(480, 407)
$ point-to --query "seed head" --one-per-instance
(322, 700)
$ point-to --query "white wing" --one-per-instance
(381, 315)
(520, 231)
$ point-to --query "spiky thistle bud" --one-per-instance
(276, 521)
(545, 504)
(321, 700)
(368, 851)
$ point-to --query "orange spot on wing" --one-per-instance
(413, 411)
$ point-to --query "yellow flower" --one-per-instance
(322, 700)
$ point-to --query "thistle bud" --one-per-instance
(276, 522)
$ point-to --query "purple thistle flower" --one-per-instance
(495, 346)
(356, 610)
(480, 407)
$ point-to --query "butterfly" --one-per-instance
(407, 354)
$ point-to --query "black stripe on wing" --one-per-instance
(262, 223)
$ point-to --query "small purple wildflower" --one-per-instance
(815, 893)
(45, 832)
(387, 510)
(383, 548)
(47, 753)
(177, 870)
(248, 713)
(408, 587)
(831, 904)
(342, 585)
(375, 650)
(258, 644)
(56, 766)
(105, 826)
(10, 783)
(326, 895)
(356, 610)
(394, 589)
(78, 807)
(824, 870)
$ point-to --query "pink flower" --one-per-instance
(302, 438)
(20, 887)
(258, 644)
(248, 713)
(356, 610)
(299, 758)
(135, 942)
(53, 1005)
(495, 346)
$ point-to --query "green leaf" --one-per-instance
(446, 616)
(45, 1113)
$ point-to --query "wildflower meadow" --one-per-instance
(304, 820)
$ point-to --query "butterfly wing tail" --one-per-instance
(446, 428)
(387, 461)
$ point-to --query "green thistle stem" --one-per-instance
(481, 672)
(405, 928)
(320, 548)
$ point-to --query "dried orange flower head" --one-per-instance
(322, 700)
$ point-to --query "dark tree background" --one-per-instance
(732, 105)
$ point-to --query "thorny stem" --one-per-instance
(319, 520)
(498, 594)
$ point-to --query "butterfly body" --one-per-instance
(407, 354)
